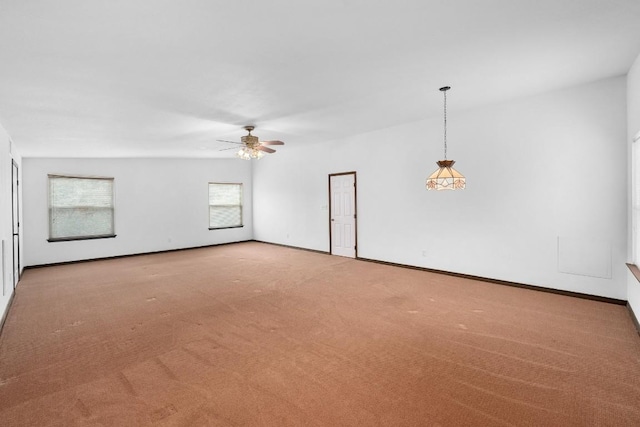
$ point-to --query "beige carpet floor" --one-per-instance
(262, 335)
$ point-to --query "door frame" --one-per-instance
(355, 209)
(15, 222)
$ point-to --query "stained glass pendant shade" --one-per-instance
(446, 177)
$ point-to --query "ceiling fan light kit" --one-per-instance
(247, 154)
(446, 177)
(252, 147)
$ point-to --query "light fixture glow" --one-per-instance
(446, 177)
(247, 153)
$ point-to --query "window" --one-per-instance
(225, 205)
(80, 208)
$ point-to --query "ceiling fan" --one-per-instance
(251, 146)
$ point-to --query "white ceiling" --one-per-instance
(167, 77)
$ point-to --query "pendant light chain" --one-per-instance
(445, 122)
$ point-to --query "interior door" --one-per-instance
(343, 217)
(15, 214)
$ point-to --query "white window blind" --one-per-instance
(225, 205)
(80, 208)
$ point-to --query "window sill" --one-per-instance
(224, 228)
(70, 239)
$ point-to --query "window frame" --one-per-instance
(241, 205)
(635, 199)
(85, 237)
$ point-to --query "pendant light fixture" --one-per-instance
(446, 177)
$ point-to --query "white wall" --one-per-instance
(160, 204)
(633, 127)
(546, 191)
(7, 154)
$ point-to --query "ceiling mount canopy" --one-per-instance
(251, 146)
(446, 177)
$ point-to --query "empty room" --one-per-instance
(288, 213)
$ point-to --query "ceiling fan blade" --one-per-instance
(276, 142)
(266, 149)
(225, 149)
(230, 142)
